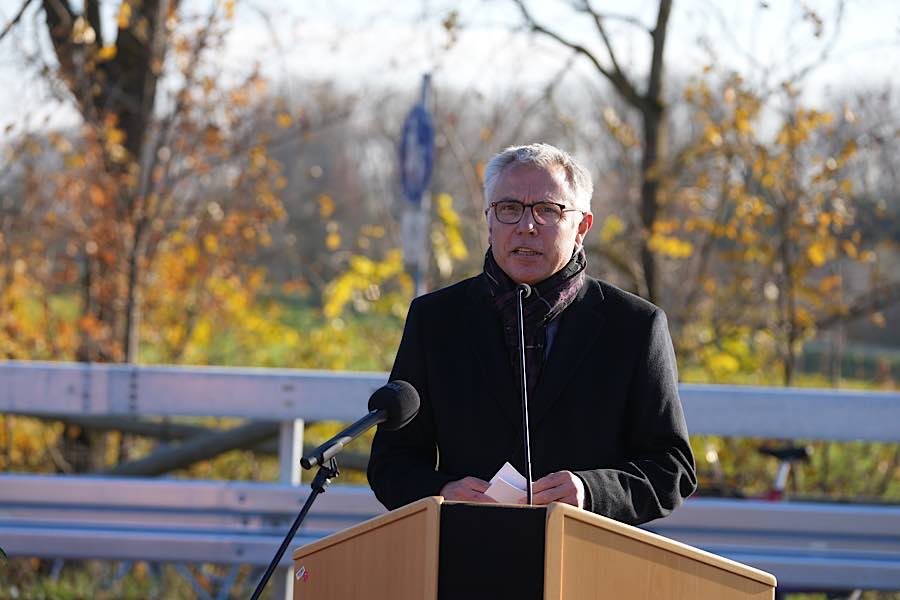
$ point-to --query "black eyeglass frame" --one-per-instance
(562, 210)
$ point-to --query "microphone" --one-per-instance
(392, 406)
(523, 290)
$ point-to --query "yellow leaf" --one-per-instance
(817, 254)
(846, 187)
(333, 241)
(849, 248)
(375, 231)
(284, 120)
(98, 195)
(258, 157)
(115, 136)
(713, 136)
(74, 161)
(455, 244)
(612, 227)
(664, 227)
(106, 53)
(723, 364)
(82, 32)
(124, 16)
(748, 236)
(670, 246)
(803, 318)
(829, 283)
(202, 332)
(190, 255)
(326, 206)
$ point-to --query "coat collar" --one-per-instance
(487, 345)
(579, 329)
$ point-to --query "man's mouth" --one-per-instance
(525, 252)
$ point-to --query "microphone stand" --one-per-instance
(523, 290)
(323, 477)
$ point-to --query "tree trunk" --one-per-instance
(116, 99)
(648, 103)
(649, 199)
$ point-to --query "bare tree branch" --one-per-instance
(654, 84)
(60, 19)
(704, 255)
(622, 85)
(586, 7)
(149, 156)
(715, 9)
(872, 301)
(598, 23)
(14, 20)
(801, 73)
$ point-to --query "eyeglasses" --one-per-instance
(510, 212)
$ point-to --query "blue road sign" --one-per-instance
(417, 149)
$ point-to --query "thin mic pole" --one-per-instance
(521, 291)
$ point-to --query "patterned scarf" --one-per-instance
(547, 300)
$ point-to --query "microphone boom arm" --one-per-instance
(523, 290)
(332, 447)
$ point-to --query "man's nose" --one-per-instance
(526, 223)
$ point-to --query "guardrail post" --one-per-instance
(290, 450)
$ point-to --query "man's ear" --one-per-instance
(583, 227)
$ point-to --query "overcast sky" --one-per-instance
(373, 42)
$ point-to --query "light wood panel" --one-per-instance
(589, 556)
(396, 556)
(391, 557)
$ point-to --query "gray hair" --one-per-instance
(544, 156)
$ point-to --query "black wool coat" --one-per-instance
(606, 406)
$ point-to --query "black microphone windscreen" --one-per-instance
(399, 399)
(525, 289)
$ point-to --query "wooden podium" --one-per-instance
(433, 549)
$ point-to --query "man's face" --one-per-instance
(526, 251)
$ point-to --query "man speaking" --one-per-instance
(607, 430)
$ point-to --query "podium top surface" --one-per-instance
(557, 513)
(558, 510)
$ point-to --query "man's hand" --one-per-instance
(467, 489)
(562, 486)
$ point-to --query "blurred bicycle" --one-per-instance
(788, 456)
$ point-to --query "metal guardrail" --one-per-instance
(166, 520)
(284, 395)
(805, 545)
(808, 546)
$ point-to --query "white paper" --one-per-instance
(507, 486)
(509, 473)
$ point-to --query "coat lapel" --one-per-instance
(487, 345)
(579, 329)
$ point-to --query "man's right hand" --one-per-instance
(467, 489)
